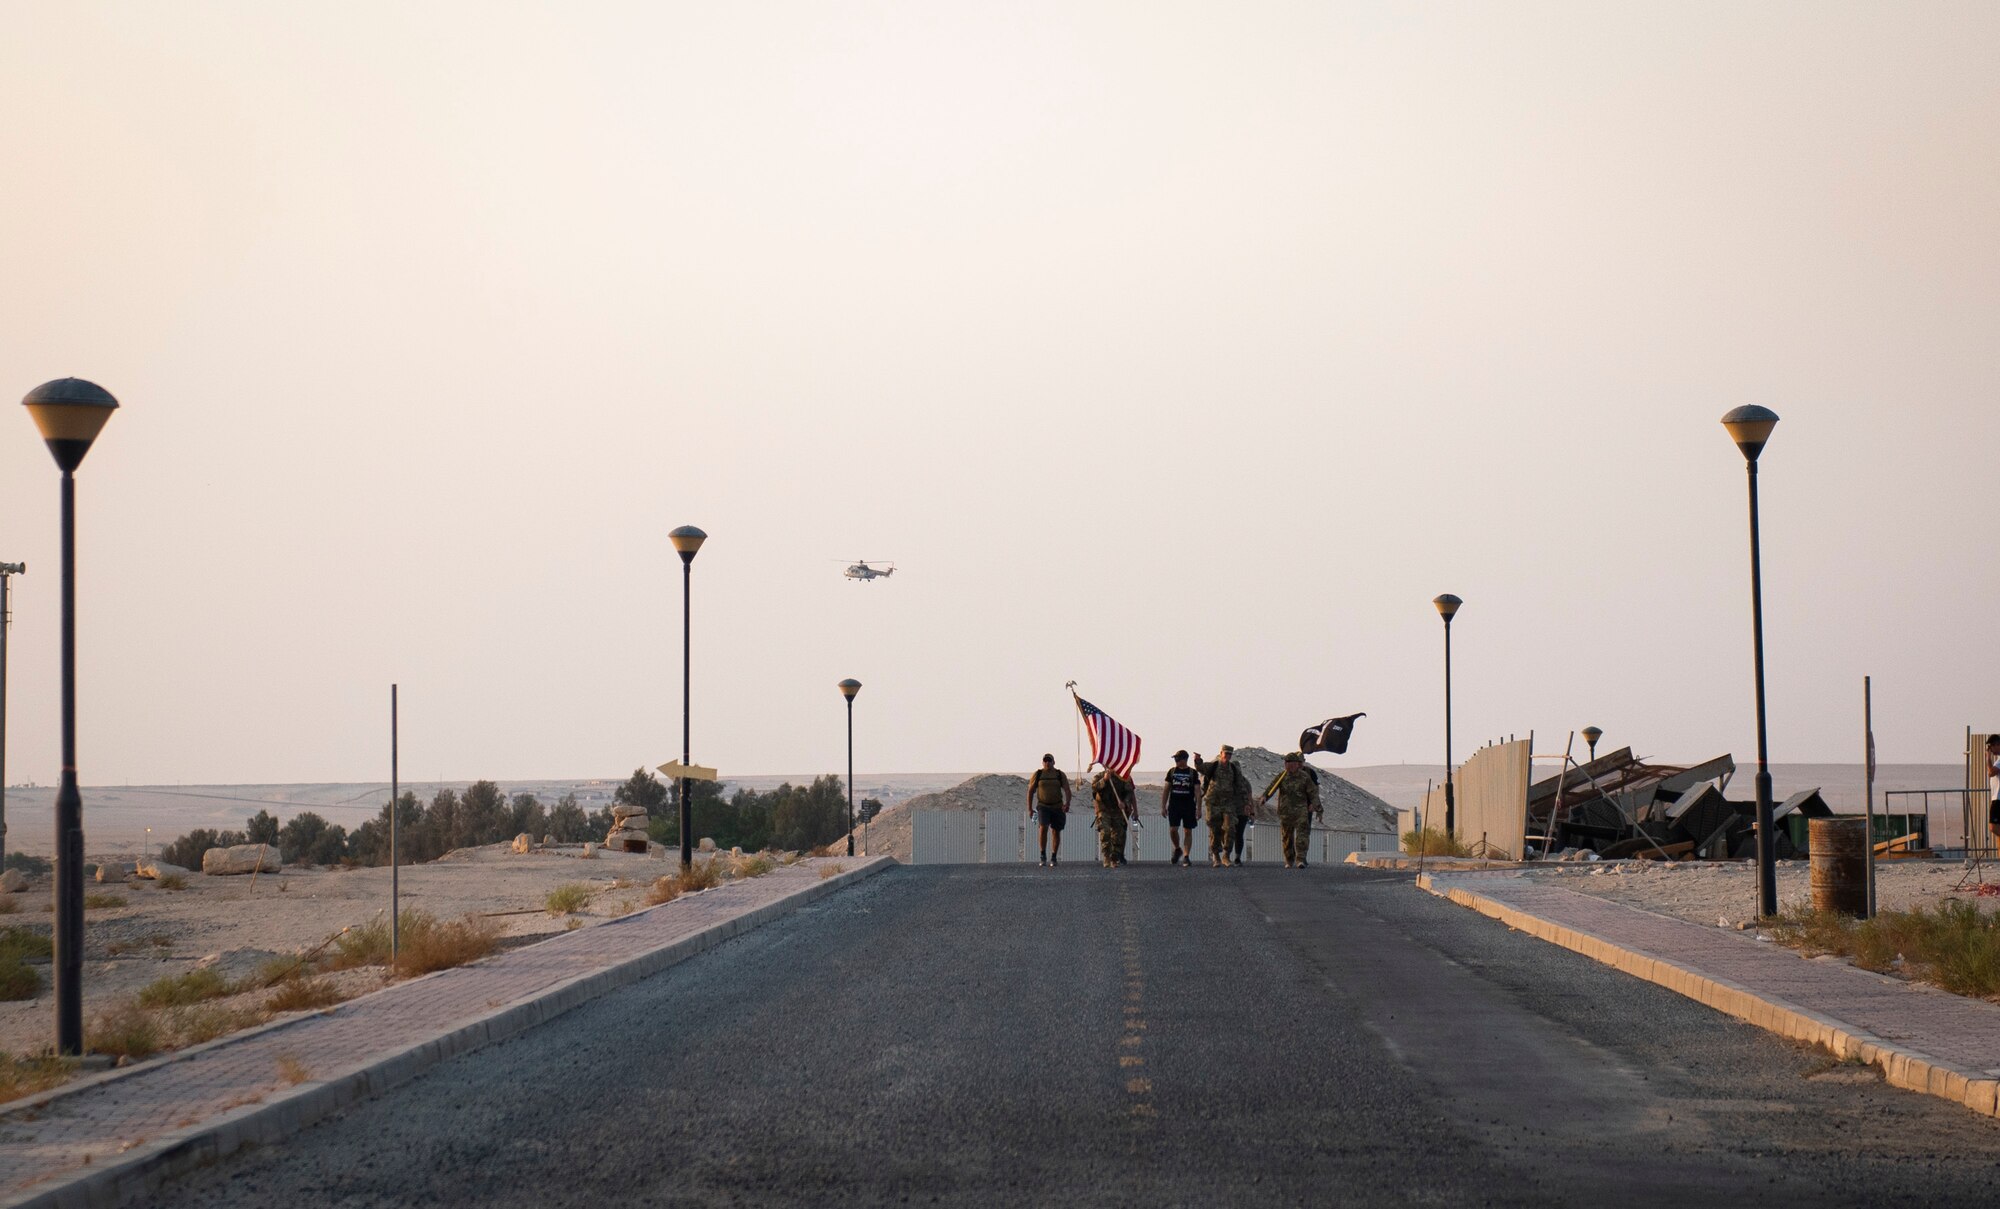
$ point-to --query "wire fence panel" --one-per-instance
(1004, 839)
(946, 837)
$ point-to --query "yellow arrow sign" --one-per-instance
(677, 771)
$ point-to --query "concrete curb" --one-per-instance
(1901, 1066)
(144, 1167)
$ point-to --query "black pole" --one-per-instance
(1767, 842)
(850, 776)
(395, 826)
(6, 619)
(69, 811)
(687, 751)
(1450, 805)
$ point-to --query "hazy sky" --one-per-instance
(1185, 350)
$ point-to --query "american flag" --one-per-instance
(1110, 744)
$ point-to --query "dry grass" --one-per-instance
(701, 875)
(292, 1071)
(20, 943)
(205, 1022)
(8, 905)
(276, 969)
(18, 980)
(753, 866)
(1433, 842)
(93, 901)
(171, 881)
(124, 1030)
(303, 995)
(26, 1076)
(180, 990)
(823, 850)
(827, 871)
(569, 898)
(1956, 946)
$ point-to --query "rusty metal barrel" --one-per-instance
(1840, 864)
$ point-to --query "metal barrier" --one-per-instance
(993, 837)
(1954, 819)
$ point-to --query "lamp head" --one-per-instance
(849, 687)
(70, 412)
(1750, 426)
(1591, 735)
(1447, 605)
(687, 539)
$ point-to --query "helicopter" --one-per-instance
(863, 572)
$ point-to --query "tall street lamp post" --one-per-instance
(1750, 427)
(1447, 606)
(848, 688)
(70, 413)
(7, 573)
(687, 541)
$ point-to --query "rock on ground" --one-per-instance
(242, 858)
(13, 882)
(115, 872)
(159, 869)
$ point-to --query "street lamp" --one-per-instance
(1447, 606)
(1750, 427)
(7, 572)
(687, 541)
(1591, 735)
(848, 688)
(70, 413)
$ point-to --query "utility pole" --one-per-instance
(7, 572)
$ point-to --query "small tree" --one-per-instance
(567, 822)
(262, 829)
(528, 816)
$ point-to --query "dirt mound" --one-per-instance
(987, 791)
(1348, 806)
(888, 833)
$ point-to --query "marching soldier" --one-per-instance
(1112, 796)
(1227, 795)
(1298, 803)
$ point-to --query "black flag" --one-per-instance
(1330, 735)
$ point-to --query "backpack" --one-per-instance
(1048, 789)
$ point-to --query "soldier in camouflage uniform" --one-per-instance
(1298, 802)
(1227, 795)
(1113, 797)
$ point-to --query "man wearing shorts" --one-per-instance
(1180, 797)
(1048, 800)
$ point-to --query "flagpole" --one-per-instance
(1071, 686)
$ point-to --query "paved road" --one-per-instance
(1155, 1036)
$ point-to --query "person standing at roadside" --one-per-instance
(1048, 801)
(1298, 802)
(1227, 796)
(1993, 784)
(1112, 796)
(1180, 799)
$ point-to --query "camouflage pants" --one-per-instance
(1111, 836)
(1295, 823)
(1220, 820)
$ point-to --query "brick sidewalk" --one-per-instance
(170, 1100)
(1924, 1039)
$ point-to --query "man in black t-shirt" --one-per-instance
(1179, 800)
(1048, 800)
